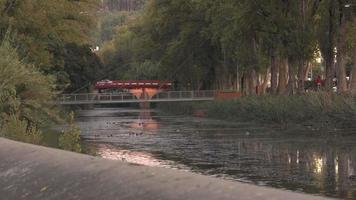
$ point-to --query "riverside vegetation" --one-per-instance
(320, 109)
(44, 51)
(243, 45)
(197, 44)
(41, 55)
(25, 108)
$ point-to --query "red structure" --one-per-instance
(142, 89)
(133, 84)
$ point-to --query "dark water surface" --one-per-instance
(300, 161)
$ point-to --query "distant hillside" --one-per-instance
(122, 5)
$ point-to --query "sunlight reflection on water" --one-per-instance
(140, 158)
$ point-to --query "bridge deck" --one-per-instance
(120, 98)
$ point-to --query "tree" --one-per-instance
(25, 96)
(82, 66)
(126, 5)
(227, 44)
(326, 26)
(352, 46)
(43, 28)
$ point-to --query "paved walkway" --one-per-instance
(33, 172)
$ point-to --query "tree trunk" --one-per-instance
(353, 68)
(245, 81)
(238, 79)
(302, 67)
(307, 70)
(265, 82)
(353, 72)
(341, 60)
(282, 83)
(274, 75)
(292, 82)
(252, 82)
(328, 51)
(329, 72)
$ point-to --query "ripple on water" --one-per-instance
(299, 162)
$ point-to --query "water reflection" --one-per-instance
(312, 166)
(140, 158)
(145, 122)
(241, 151)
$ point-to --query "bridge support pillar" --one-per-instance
(144, 94)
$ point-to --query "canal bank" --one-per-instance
(320, 111)
(34, 172)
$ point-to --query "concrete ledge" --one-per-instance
(33, 172)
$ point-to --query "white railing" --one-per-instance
(100, 98)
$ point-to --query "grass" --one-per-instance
(309, 108)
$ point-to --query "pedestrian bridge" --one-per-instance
(127, 97)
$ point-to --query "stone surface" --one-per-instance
(34, 172)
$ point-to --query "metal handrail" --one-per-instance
(125, 97)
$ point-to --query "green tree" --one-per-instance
(44, 28)
(82, 66)
(231, 44)
(25, 96)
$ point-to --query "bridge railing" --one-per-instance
(96, 97)
(128, 97)
(185, 95)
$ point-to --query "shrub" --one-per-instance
(311, 107)
(70, 138)
(21, 130)
(25, 96)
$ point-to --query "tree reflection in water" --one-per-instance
(314, 167)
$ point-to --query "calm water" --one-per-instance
(238, 151)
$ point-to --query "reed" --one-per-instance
(313, 107)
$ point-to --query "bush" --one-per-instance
(25, 96)
(70, 138)
(285, 109)
(21, 130)
(311, 107)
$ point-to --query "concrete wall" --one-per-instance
(33, 172)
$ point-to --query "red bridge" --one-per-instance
(143, 92)
(133, 84)
(142, 89)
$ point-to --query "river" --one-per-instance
(299, 161)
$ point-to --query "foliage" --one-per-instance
(108, 23)
(44, 49)
(25, 102)
(19, 130)
(70, 138)
(208, 44)
(285, 109)
(123, 5)
(310, 108)
(25, 96)
(166, 36)
(143, 71)
(44, 28)
(82, 67)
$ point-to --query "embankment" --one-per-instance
(322, 110)
(34, 172)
